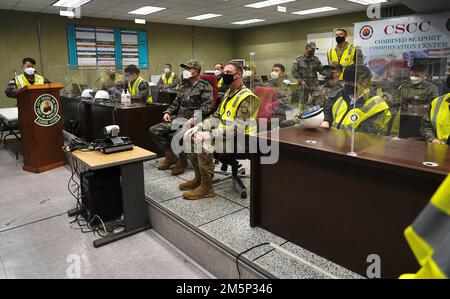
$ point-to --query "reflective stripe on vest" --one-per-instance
(228, 110)
(440, 117)
(220, 83)
(355, 117)
(168, 81)
(429, 236)
(134, 90)
(347, 58)
(22, 81)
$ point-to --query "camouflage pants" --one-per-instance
(163, 133)
(205, 163)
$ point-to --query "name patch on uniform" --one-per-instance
(46, 109)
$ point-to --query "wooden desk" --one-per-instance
(345, 208)
(133, 193)
(134, 120)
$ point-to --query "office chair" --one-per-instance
(268, 97)
(9, 121)
(237, 171)
(212, 79)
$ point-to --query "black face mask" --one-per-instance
(448, 81)
(228, 79)
(340, 39)
(350, 89)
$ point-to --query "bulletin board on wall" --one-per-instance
(94, 47)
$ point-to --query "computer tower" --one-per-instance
(101, 195)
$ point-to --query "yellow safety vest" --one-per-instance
(355, 117)
(440, 117)
(220, 83)
(228, 110)
(21, 80)
(347, 58)
(134, 90)
(168, 81)
(429, 237)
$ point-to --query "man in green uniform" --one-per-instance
(194, 94)
(236, 116)
(305, 70)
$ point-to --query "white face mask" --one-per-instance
(274, 75)
(217, 72)
(247, 74)
(187, 74)
(416, 80)
(29, 71)
(167, 71)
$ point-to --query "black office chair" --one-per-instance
(237, 171)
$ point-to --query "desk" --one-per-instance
(133, 194)
(134, 120)
(345, 208)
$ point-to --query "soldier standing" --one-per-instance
(194, 94)
(305, 70)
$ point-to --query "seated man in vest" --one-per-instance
(28, 77)
(366, 112)
(168, 80)
(344, 54)
(435, 126)
(235, 117)
(139, 88)
(194, 94)
(218, 71)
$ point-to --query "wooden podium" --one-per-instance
(41, 127)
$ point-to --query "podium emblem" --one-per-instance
(46, 109)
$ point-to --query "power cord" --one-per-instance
(244, 252)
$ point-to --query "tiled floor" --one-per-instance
(34, 248)
(226, 218)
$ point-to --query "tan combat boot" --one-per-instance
(194, 183)
(181, 165)
(205, 190)
(170, 160)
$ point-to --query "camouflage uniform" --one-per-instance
(305, 68)
(284, 96)
(421, 94)
(205, 159)
(189, 99)
(254, 82)
(324, 92)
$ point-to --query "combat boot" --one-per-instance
(205, 190)
(194, 183)
(181, 165)
(170, 160)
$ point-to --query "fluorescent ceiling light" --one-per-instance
(66, 13)
(139, 21)
(267, 3)
(204, 17)
(70, 3)
(367, 2)
(146, 10)
(248, 22)
(282, 9)
(314, 10)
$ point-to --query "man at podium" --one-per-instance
(28, 77)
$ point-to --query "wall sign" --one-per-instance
(93, 47)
